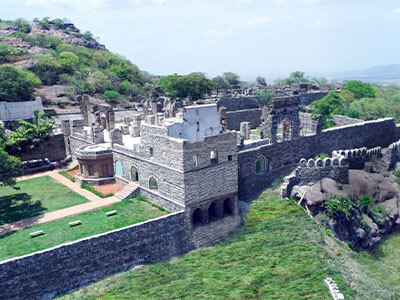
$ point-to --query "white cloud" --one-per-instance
(213, 33)
(258, 21)
(289, 18)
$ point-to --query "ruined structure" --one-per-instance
(281, 120)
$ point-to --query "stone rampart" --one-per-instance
(14, 111)
(308, 98)
(55, 271)
(282, 155)
(392, 155)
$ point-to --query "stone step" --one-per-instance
(127, 191)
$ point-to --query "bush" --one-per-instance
(377, 211)
(16, 84)
(111, 95)
(329, 232)
(365, 201)
(68, 61)
(396, 172)
(339, 206)
(321, 156)
(65, 174)
(359, 89)
(46, 68)
(22, 26)
(8, 52)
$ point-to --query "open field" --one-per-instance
(34, 197)
(93, 222)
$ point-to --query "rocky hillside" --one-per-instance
(70, 63)
(360, 212)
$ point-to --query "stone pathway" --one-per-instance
(95, 202)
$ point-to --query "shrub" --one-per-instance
(111, 95)
(329, 232)
(351, 245)
(16, 84)
(8, 52)
(339, 206)
(68, 61)
(377, 211)
(65, 174)
(396, 172)
(321, 156)
(46, 68)
(365, 201)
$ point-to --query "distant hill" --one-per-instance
(70, 63)
(377, 74)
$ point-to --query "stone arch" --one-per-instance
(134, 174)
(261, 164)
(212, 212)
(118, 168)
(197, 217)
(228, 207)
(153, 184)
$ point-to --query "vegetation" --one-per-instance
(66, 175)
(365, 202)
(339, 206)
(29, 135)
(321, 156)
(93, 222)
(16, 84)
(10, 167)
(396, 172)
(8, 52)
(195, 85)
(34, 197)
(264, 96)
(295, 77)
(96, 192)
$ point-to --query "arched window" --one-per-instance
(153, 185)
(260, 164)
(212, 212)
(228, 207)
(197, 217)
(134, 174)
(118, 168)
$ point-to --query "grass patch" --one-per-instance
(255, 131)
(34, 197)
(93, 222)
(96, 192)
(65, 174)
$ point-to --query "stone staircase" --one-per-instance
(131, 190)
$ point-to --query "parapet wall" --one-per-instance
(55, 271)
(280, 156)
(14, 111)
(308, 98)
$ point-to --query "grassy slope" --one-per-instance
(94, 222)
(34, 197)
(279, 253)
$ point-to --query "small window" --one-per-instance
(212, 212)
(197, 217)
(197, 112)
(198, 126)
(228, 207)
(134, 174)
(153, 185)
(214, 157)
(151, 152)
(260, 165)
(195, 160)
(229, 157)
(118, 168)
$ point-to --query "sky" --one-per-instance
(270, 38)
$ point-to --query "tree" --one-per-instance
(372, 108)
(220, 84)
(29, 135)
(295, 77)
(360, 89)
(68, 61)
(261, 81)
(16, 84)
(232, 78)
(99, 82)
(46, 68)
(196, 85)
(10, 167)
(111, 95)
(264, 97)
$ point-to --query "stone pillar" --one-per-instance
(245, 130)
(97, 134)
(116, 136)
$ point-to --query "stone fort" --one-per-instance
(186, 160)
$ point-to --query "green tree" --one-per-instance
(99, 82)
(359, 89)
(232, 78)
(46, 68)
(261, 81)
(10, 167)
(68, 61)
(294, 77)
(8, 52)
(111, 95)
(29, 135)
(371, 108)
(264, 97)
(220, 84)
(196, 85)
(16, 84)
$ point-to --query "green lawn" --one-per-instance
(93, 222)
(34, 197)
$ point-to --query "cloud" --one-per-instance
(289, 18)
(258, 21)
(213, 33)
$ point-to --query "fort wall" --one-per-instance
(45, 274)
